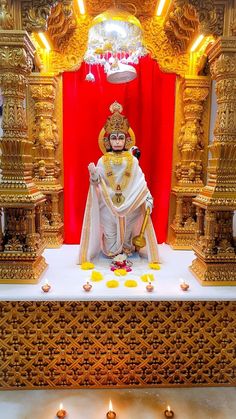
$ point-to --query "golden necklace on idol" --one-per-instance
(116, 159)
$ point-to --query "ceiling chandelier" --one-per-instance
(115, 42)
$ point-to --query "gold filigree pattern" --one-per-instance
(181, 25)
(34, 13)
(192, 149)
(22, 238)
(46, 167)
(6, 20)
(157, 44)
(117, 343)
(136, 7)
(72, 56)
(215, 247)
(60, 27)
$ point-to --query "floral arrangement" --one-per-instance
(121, 262)
(131, 283)
(87, 265)
(154, 266)
(113, 283)
(96, 276)
(147, 277)
(120, 272)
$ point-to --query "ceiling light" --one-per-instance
(44, 41)
(81, 7)
(115, 42)
(160, 7)
(196, 43)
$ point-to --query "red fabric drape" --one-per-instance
(148, 103)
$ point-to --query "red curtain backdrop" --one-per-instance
(148, 103)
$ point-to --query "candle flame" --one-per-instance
(46, 281)
(110, 406)
(61, 406)
(181, 280)
(168, 408)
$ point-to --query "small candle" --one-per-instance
(183, 285)
(46, 287)
(149, 287)
(111, 414)
(169, 413)
(61, 413)
(87, 287)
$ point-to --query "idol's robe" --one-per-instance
(115, 210)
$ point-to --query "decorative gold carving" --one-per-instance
(188, 18)
(46, 166)
(34, 13)
(190, 143)
(189, 168)
(60, 27)
(69, 55)
(22, 240)
(215, 248)
(72, 56)
(137, 7)
(6, 21)
(15, 269)
(157, 44)
(233, 27)
(181, 25)
(117, 343)
(207, 15)
(220, 6)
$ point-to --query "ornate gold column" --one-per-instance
(191, 152)
(46, 167)
(20, 256)
(215, 249)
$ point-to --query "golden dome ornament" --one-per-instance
(115, 42)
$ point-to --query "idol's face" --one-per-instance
(117, 140)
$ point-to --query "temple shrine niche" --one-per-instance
(53, 340)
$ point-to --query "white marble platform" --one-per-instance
(66, 280)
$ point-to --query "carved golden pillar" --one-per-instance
(21, 258)
(46, 167)
(215, 249)
(191, 155)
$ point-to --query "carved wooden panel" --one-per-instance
(118, 343)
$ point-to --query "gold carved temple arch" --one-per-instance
(31, 185)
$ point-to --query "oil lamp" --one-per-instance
(183, 285)
(87, 287)
(111, 414)
(61, 413)
(149, 287)
(168, 412)
(46, 287)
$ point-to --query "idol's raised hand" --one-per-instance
(94, 176)
(92, 169)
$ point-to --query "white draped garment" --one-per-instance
(109, 228)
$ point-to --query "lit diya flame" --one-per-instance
(111, 414)
(61, 414)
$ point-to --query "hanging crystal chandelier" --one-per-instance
(115, 42)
